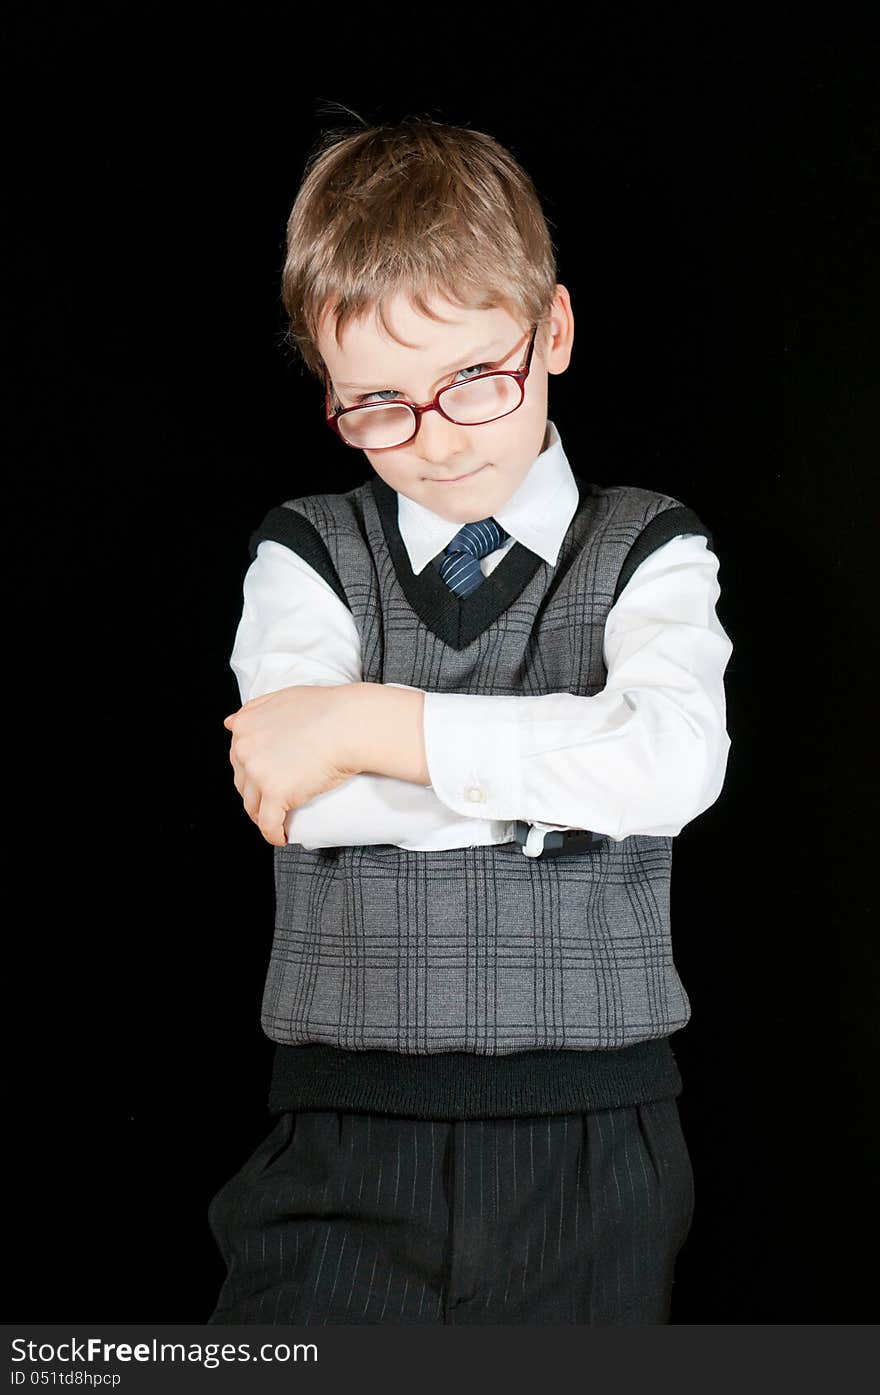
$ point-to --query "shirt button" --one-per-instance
(476, 795)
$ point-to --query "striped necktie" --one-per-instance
(460, 568)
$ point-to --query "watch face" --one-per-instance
(548, 842)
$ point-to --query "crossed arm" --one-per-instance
(292, 745)
(323, 758)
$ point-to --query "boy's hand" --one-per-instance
(287, 748)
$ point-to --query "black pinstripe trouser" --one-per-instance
(350, 1218)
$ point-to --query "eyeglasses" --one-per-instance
(384, 425)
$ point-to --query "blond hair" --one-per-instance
(418, 207)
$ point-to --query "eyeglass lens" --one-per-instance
(469, 404)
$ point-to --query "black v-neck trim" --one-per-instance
(457, 620)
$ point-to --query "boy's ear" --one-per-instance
(560, 336)
(328, 386)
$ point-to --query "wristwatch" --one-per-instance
(543, 840)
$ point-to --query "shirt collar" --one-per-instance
(537, 514)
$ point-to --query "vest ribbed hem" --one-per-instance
(461, 1085)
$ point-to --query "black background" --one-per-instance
(712, 191)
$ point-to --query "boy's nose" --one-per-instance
(438, 439)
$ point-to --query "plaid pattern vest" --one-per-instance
(479, 949)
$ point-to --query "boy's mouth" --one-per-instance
(455, 479)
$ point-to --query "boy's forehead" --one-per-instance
(364, 346)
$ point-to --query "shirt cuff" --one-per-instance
(472, 752)
(371, 808)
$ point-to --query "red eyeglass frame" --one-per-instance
(519, 374)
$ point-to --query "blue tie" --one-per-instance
(460, 568)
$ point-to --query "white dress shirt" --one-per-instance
(645, 755)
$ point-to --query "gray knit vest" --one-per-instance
(476, 949)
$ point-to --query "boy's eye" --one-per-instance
(475, 368)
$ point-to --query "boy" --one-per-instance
(481, 696)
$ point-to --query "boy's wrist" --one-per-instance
(385, 731)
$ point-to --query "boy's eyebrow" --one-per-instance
(472, 356)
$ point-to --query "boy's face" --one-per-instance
(463, 473)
